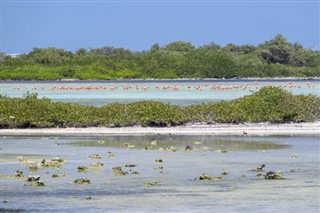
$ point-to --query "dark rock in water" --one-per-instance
(55, 176)
(159, 160)
(33, 167)
(188, 148)
(118, 171)
(18, 174)
(208, 177)
(82, 181)
(293, 155)
(218, 178)
(130, 165)
(33, 178)
(127, 145)
(170, 149)
(222, 150)
(134, 172)
(96, 156)
(82, 168)
(110, 155)
(38, 183)
(259, 169)
(58, 160)
(54, 163)
(151, 183)
(97, 164)
(159, 167)
(224, 173)
(204, 177)
(274, 175)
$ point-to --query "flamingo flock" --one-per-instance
(172, 87)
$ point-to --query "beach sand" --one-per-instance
(251, 129)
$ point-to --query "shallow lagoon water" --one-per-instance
(182, 92)
(178, 191)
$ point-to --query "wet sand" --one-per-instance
(250, 129)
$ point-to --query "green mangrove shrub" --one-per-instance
(269, 104)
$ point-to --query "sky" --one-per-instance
(138, 24)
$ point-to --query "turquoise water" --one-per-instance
(177, 190)
(175, 92)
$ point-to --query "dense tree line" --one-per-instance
(274, 58)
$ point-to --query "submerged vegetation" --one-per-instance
(269, 104)
(274, 58)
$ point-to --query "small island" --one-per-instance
(270, 104)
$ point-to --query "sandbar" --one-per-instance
(246, 129)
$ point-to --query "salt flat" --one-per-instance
(263, 129)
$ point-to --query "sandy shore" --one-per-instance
(259, 129)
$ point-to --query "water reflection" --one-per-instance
(209, 143)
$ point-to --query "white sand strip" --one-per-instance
(261, 129)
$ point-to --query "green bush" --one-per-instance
(269, 104)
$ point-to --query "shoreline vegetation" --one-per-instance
(269, 104)
(177, 60)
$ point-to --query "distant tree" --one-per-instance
(277, 50)
(67, 73)
(121, 53)
(160, 63)
(247, 48)
(232, 48)
(314, 58)
(106, 50)
(111, 51)
(208, 64)
(2, 57)
(210, 46)
(155, 47)
(179, 46)
(50, 55)
(81, 51)
(218, 65)
(244, 49)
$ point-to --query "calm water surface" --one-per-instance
(177, 190)
(175, 92)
